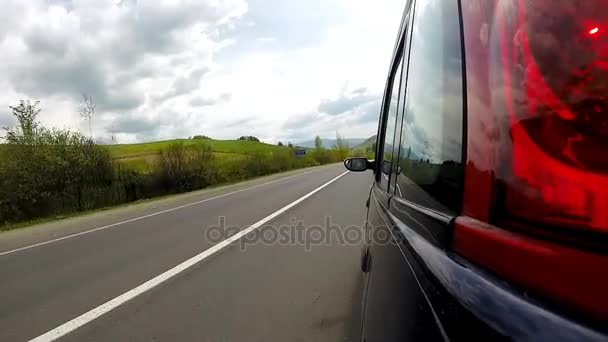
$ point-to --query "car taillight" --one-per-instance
(553, 155)
(535, 204)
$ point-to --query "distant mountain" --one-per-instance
(329, 143)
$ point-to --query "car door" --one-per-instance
(395, 307)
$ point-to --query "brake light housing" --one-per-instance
(536, 177)
(554, 117)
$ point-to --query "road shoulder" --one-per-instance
(60, 228)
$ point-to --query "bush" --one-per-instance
(186, 168)
(340, 148)
(259, 164)
(323, 156)
(249, 138)
(357, 152)
(46, 172)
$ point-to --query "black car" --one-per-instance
(488, 215)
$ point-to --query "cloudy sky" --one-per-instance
(277, 69)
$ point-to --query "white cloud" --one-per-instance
(163, 69)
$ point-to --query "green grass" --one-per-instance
(139, 164)
(219, 146)
(142, 157)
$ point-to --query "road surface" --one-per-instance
(163, 270)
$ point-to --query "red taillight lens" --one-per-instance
(554, 73)
(537, 148)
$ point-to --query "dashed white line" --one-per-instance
(91, 315)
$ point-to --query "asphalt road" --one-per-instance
(292, 279)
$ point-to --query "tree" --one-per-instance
(26, 113)
(249, 138)
(290, 145)
(279, 144)
(87, 110)
(318, 143)
(45, 171)
(341, 148)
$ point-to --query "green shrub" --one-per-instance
(323, 156)
(186, 168)
(50, 171)
(46, 172)
(249, 138)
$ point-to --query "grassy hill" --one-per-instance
(366, 148)
(368, 143)
(329, 143)
(221, 146)
(143, 156)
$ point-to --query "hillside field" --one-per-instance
(368, 143)
(142, 156)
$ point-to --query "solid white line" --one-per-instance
(145, 216)
(87, 317)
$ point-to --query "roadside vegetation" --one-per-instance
(51, 173)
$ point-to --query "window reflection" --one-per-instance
(389, 139)
(431, 145)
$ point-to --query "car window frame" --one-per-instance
(390, 177)
(441, 215)
(397, 60)
(394, 185)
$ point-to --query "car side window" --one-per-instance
(430, 157)
(401, 104)
(391, 123)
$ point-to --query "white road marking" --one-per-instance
(144, 216)
(91, 315)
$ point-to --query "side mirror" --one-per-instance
(358, 164)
